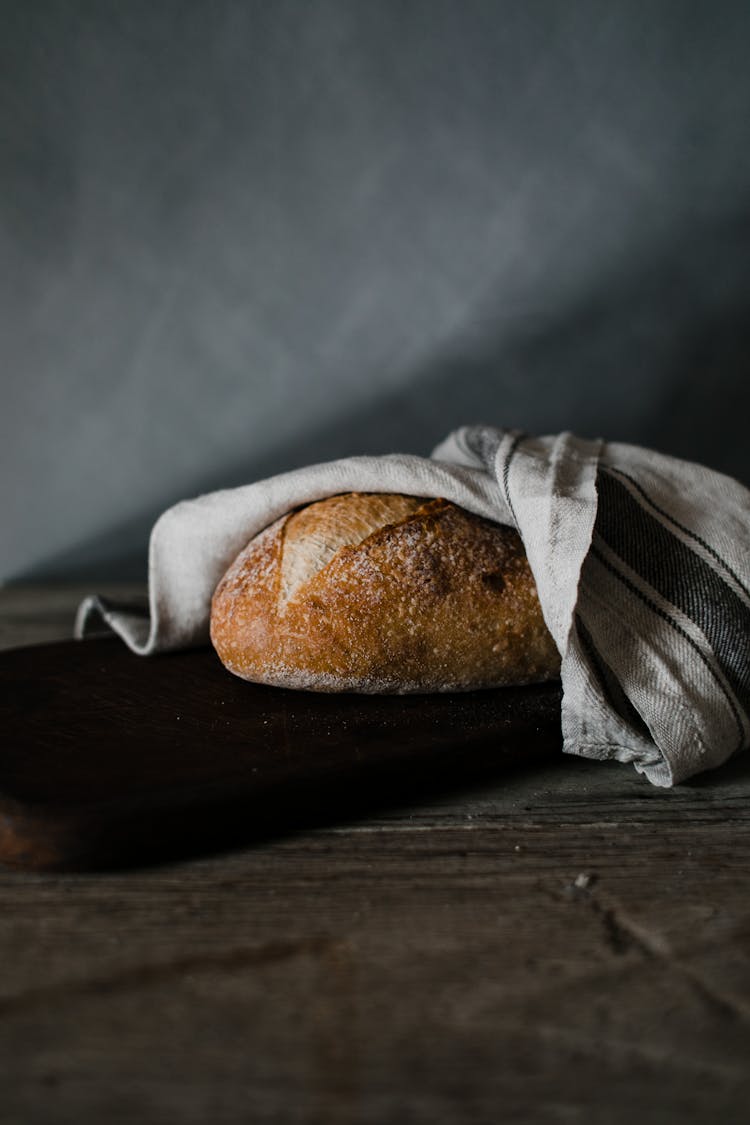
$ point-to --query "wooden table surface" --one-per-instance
(569, 945)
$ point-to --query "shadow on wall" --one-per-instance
(658, 355)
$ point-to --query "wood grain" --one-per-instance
(508, 970)
(561, 942)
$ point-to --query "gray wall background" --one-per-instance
(238, 237)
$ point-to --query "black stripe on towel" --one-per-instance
(681, 576)
(681, 527)
(598, 554)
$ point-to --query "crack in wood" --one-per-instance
(622, 935)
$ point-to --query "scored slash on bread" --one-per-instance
(314, 534)
(382, 593)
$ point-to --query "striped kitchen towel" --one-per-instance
(642, 563)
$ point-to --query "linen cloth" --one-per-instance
(642, 564)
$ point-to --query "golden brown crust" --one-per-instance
(395, 594)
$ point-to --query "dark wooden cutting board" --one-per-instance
(108, 758)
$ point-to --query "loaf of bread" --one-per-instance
(382, 593)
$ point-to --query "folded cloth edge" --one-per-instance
(193, 543)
